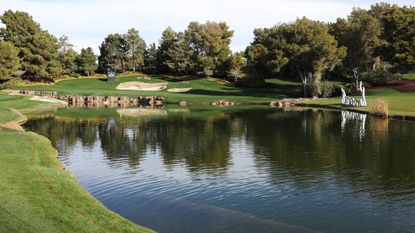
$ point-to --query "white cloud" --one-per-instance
(88, 22)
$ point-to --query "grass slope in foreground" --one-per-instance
(36, 194)
(203, 90)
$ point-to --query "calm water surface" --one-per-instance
(260, 170)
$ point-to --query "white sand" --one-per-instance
(46, 99)
(141, 86)
(178, 90)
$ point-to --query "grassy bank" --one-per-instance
(400, 104)
(203, 90)
(36, 194)
(208, 90)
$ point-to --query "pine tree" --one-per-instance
(87, 61)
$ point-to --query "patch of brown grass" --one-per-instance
(380, 108)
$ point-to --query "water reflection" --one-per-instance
(315, 169)
(360, 118)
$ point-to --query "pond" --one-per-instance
(205, 169)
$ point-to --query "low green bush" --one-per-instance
(328, 89)
(323, 89)
(380, 77)
(11, 83)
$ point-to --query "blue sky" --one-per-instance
(88, 22)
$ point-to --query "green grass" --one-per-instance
(410, 76)
(37, 195)
(400, 104)
(7, 115)
(203, 90)
(21, 103)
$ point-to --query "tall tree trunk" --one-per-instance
(304, 81)
(133, 63)
(316, 83)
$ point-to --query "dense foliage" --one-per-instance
(9, 61)
(378, 43)
(86, 61)
(303, 49)
(41, 56)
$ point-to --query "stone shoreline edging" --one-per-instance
(158, 101)
(95, 101)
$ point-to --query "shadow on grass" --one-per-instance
(171, 78)
(249, 92)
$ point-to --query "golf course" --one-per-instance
(208, 90)
(38, 195)
(29, 160)
(207, 117)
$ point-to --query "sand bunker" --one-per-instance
(140, 86)
(177, 90)
(11, 92)
(141, 112)
(46, 99)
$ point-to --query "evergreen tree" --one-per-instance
(398, 35)
(304, 49)
(167, 41)
(113, 54)
(359, 33)
(235, 64)
(210, 43)
(38, 49)
(86, 61)
(175, 54)
(135, 46)
(67, 56)
(150, 59)
(9, 61)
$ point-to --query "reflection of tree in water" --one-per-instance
(199, 143)
(303, 146)
(308, 146)
(121, 141)
(65, 133)
(202, 144)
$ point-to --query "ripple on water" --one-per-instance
(247, 171)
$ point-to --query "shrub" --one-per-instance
(323, 89)
(327, 89)
(11, 83)
(380, 108)
(380, 77)
(251, 81)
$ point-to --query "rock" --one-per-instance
(183, 103)
(273, 103)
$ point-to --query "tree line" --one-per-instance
(377, 42)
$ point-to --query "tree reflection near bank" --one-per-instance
(303, 146)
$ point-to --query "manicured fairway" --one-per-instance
(203, 90)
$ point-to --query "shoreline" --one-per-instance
(46, 170)
(280, 103)
(10, 129)
(351, 109)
